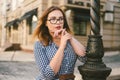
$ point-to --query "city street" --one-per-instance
(20, 65)
(93, 23)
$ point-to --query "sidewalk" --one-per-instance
(111, 59)
(16, 56)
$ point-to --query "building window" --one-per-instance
(80, 19)
(31, 22)
(70, 1)
(34, 23)
(80, 28)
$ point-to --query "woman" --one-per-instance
(56, 49)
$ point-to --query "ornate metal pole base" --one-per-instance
(94, 68)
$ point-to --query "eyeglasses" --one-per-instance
(54, 20)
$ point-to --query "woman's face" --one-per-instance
(55, 21)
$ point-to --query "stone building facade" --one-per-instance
(19, 18)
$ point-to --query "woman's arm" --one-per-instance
(42, 61)
(56, 61)
(78, 47)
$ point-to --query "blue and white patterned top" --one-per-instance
(43, 56)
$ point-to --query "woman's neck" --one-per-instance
(56, 41)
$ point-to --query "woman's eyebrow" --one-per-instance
(55, 16)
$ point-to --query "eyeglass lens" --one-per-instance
(54, 20)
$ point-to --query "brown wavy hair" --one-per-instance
(42, 32)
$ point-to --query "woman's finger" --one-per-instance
(58, 32)
(63, 32)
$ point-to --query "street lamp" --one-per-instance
(94, 68)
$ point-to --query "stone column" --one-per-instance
(24, 32)
(11, 38)
(50, 3)
(3, 39)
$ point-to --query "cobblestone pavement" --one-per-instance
(18, 70)
(26, 69)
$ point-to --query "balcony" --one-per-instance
(85, 4)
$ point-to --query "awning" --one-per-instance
(29, 14)
(12, 23)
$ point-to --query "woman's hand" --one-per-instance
(65, 36)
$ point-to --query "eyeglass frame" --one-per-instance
(61, 18)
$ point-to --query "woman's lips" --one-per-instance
(58, 27)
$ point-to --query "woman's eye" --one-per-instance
(61, 18)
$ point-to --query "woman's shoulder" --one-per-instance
(38, 48)
(38, 44)
(41, 44)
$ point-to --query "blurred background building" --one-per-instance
(18, 19)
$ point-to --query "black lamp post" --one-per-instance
(94, 68)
